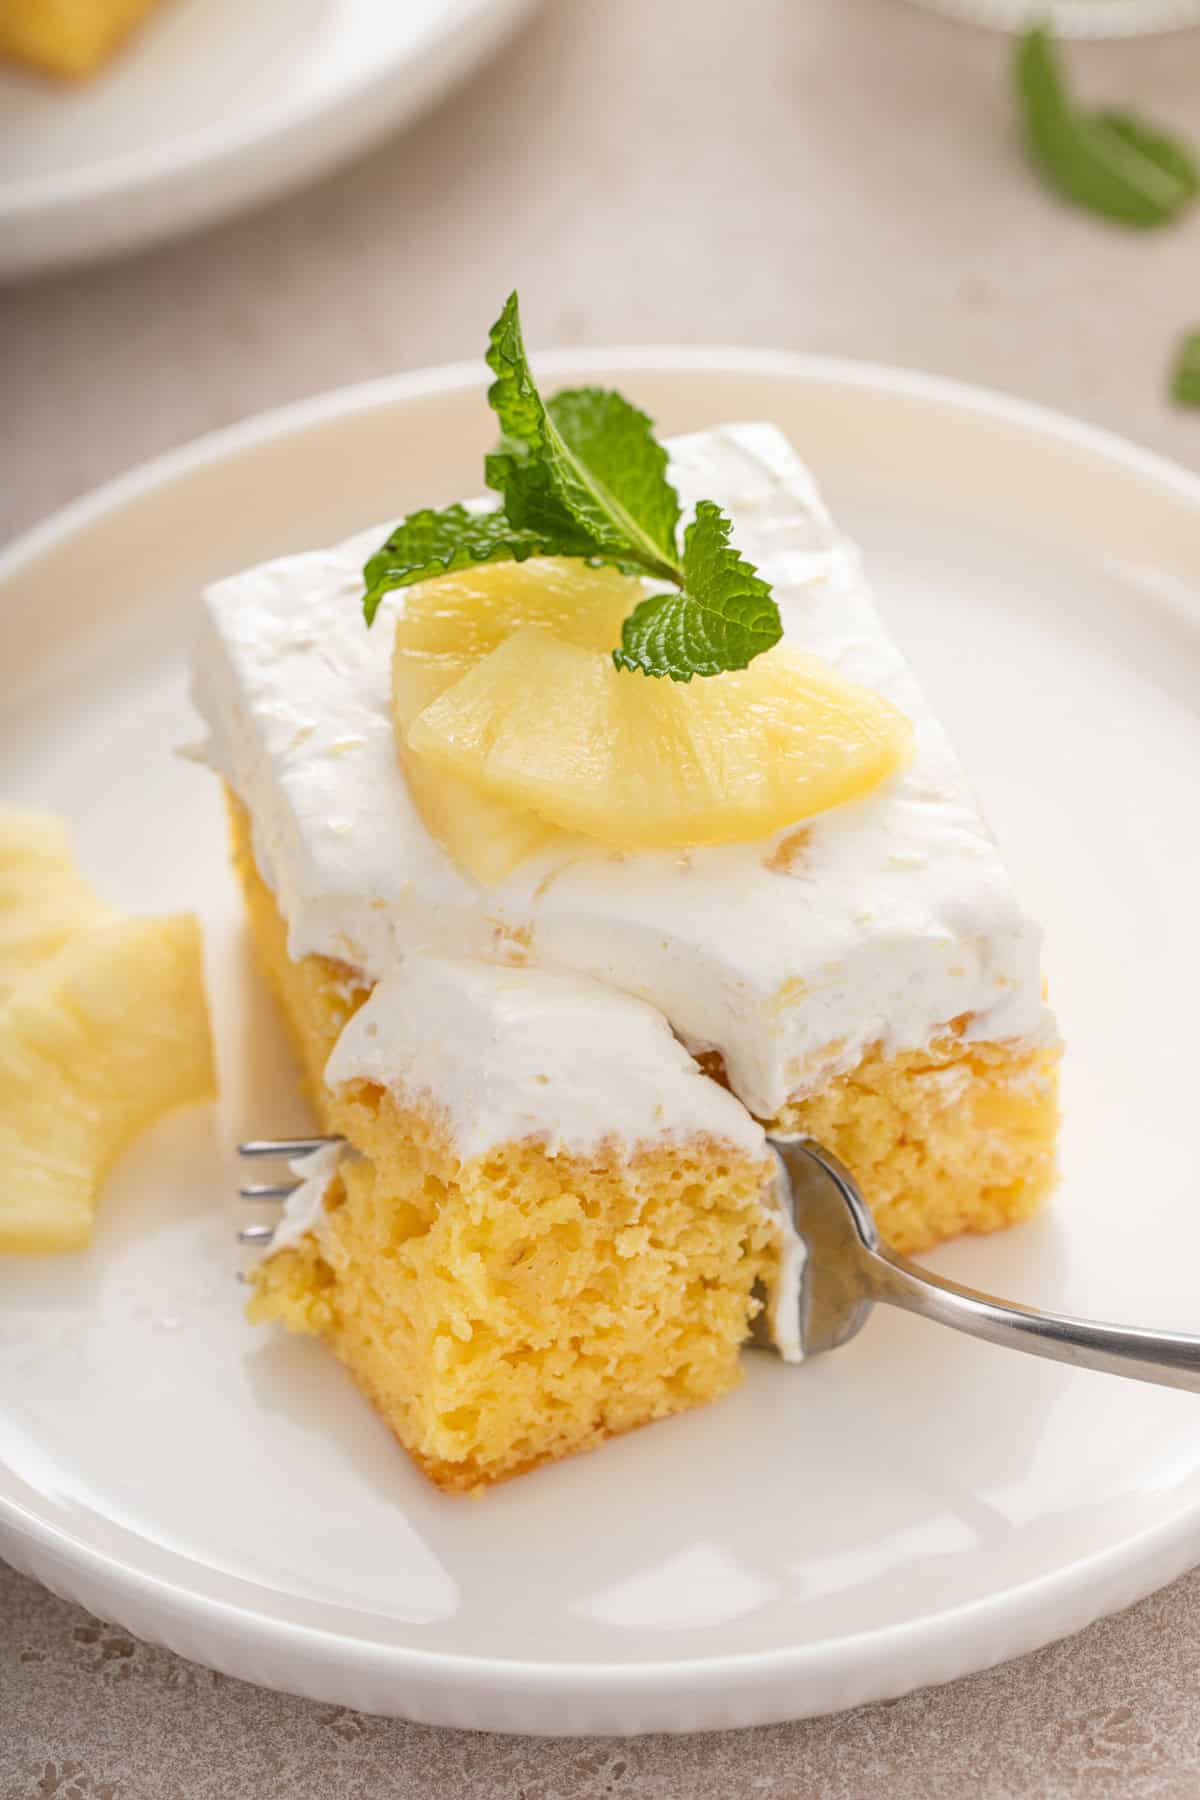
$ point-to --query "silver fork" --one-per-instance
(275, 1192)
(848, 1270)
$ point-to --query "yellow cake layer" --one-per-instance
(518, 1308)
(316, 995)
(521, 1307)
(67, 37)
(957, 1137)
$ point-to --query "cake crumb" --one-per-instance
(551, 876)
(787, 995)
(511, 944)
(788, 852)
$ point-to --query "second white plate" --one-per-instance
(915, 1506)
(214, 106)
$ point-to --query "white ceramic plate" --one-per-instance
(913, 1508)
(1075, 18)
(214, 106)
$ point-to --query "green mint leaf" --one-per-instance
(432, 543)
(589, 450)
(1174, 160)
(530, 505)
(513, 395)
(1185, 377)
(530, 502)
(519, 468)
(722, 619)
(1108, 162)
(626, 467)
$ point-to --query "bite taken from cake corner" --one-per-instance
(554, 967)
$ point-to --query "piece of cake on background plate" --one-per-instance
(559, 944)
(69, 38)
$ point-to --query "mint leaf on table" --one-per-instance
(722, 618)
(1109, 163)
(583, 475)
(1174, 160)
(1185, 377)
(432, 543)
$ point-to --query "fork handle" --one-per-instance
(1170, 1359)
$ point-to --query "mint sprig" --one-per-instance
(583, 475)
(1109, 163)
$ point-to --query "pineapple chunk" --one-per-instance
(94, 1045)
(467, 615)
(446, 627)
(548, 726)
(44, 900)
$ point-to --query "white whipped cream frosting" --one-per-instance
(505, 1054)
(895, 917)
(304, 1213)
(508, 1054)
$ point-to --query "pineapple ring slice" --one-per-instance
(109, 1033)
(553, 728)
(448, 626)
(44, 900)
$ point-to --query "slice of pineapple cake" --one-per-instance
(549, 1226)
(785, 862)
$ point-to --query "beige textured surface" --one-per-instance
(836, 175)
(1111, 1715)
(830, 175)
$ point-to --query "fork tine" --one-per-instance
(285, 1146)
(256, 1234)
(261, 1236)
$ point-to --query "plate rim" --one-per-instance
(379, 392)
(1072, 18)
(563, 1677)
(839, 1671)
